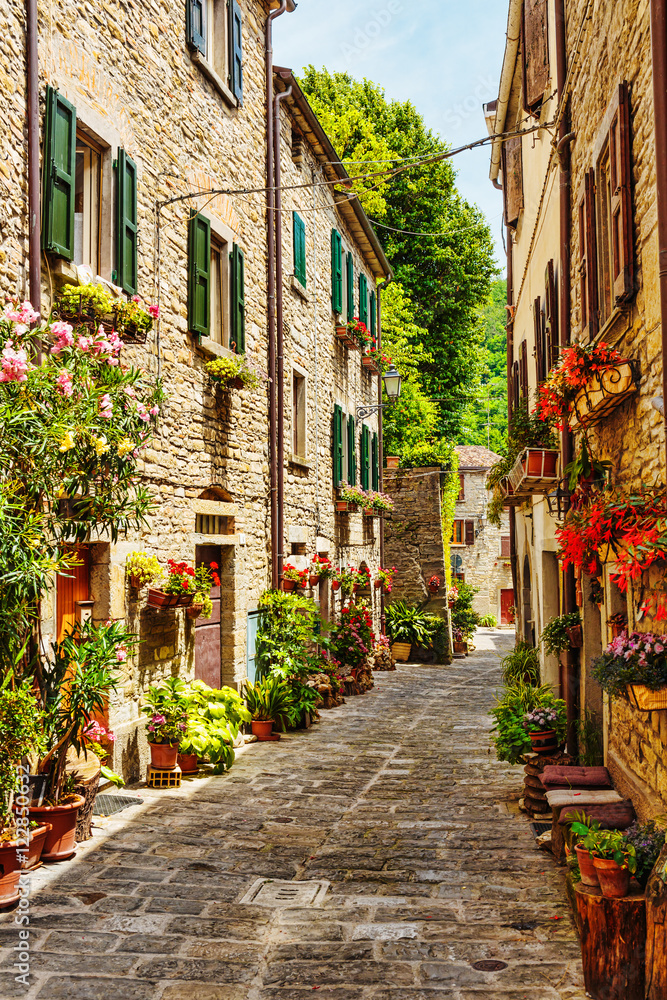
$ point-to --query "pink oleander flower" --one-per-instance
(64, 336)
(14, 365)
(106, 406)
(154, 410)
(84, 344)
(154, 311)
(121, 654)
(64, 384)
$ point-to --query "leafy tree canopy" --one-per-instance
(486, 422)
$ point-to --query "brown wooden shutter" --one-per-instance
(505, 552)
(515, 384)
(535, 53)
(588, 284)
(551, 316)
(540, 359)
(513, 179)
(470, 532)
(523, 372)
(462, 487)
(620, 155)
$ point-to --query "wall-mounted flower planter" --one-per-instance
(344, 337)
(605, 391)
(288, 585)
(510, 499)
(646, 699)
(535, 471)
(159, 599)
(576, 636)
(345, 507)
(370, 365)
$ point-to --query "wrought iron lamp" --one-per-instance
(392, 386)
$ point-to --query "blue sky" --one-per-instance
(443, 55)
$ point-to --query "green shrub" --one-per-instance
(522, 664)
(511, 740)
(554, 635)
(488, 621)
(465, 619)
(408, 623)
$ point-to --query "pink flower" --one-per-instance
(659, 648)
(28, 314)
(154, 311)
(135, 298)
(121, 655)
(154, 410)
(85, 343)
(14, 365)
(64, 336)
(106, 406)
(64, 383)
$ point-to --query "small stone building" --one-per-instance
(480, 552)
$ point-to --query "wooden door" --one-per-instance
(207, 630)
(506, 602)
(71, 587)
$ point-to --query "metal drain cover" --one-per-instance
(489, 965)
(280, 892)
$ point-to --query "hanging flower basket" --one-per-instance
(194, 610)
(603, 393)
(535, 471)
(646, 699)
(313, 580)
(343, 334)
(576, 636)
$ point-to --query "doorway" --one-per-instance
(72, 587)
(207, 630)
(506, 603)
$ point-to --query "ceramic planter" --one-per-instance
(60, 840)
(37, 841)
(614, 880)
(159, 599)
(576, 636)
(313, 580)
(393, 461)
(646, 699)
(194, 610)
(164, 756)
(335, 584)
(544, 742)
(289, 585)
(188, 763)
(11, 873)
(589, 873)
(401, 651)
(262, 729)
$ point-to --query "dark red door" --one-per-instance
(207, 630)
(506, 602)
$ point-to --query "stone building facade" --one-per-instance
(582, 228)
(181, 104)
(480, 551)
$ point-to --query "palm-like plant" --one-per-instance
(269, 699)
(408, 623)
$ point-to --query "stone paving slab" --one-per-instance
(395, 797)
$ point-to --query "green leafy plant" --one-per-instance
(214, 717)
(511, 740)
(98, 303)
(424, 454)
(269, 699)
(488, 621)
(554, 635)
(609, 844)
(522, 664)
(586, 468)
(408, 623)
(289, 628)
(465, 620)
(166, 705)
(21, 735)
(145, 568)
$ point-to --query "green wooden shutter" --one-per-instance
(126, 223)
(196, 24)
(237, 258)
(336, 271)
(337, 449)
(363, 299)
(199, 276)
(59, 175)
(299, 249)
(236, 50)
(365, 458)
(351, 452)
(349, 265)
(375, 462)
(374, 322)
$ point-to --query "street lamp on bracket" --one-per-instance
(392, 386)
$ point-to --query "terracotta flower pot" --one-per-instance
(194, 610)
(37, 841)
(289, 585)
(614, 880)
(377, 584)
(589, 873)
(617, 630)
(576, 636)
(461, 647)
(313, 580)
(160, 599)
(343, 507)
(185, 600)
(262, 728)
(135, 582)
(10, 873)
(188, 763)
(393, 461)
(60, 840)
(335, 584)
(432, 589)
(164, 755)
(544, 742)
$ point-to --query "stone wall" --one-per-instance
(413, 535)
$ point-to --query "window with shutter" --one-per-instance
(299, 249)
(237, 258)
(513, 179)
(363, 299)
(523, 374)
(351, 452)
(505, 551)
(373, 321)
(588, 287)
(540, 340)
(462, 487)
(349, 285)
(470, 532)
(458, 532)
(515, 384)
(196, 24)
(236, 51)
(336, 272)
(535, 53)
(199, 277)
(551, 317)
(337, 447)
(365, 458)
(126, 223)
(59, 167)
(375, 462)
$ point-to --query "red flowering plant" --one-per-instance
(180, 579)
(633, 525)
(206, 577)
(386, 578)
(359, 332)
(352, 639)
(320, 567)
(362, 578)
(382, 360)
(577, 367)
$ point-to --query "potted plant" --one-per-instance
(350, 498)
(452, 596)
(362, 579)
(617, 623)
(542, 725)
(342, 576)
(511, 738)
(434, 585)
(408, 626)
(585, 828)
(293, 578)
(205, 578)
(377, 504)
(214, 718)
(180, 582)
(393, 461)
(460, 644)
(77, 684)
(319, 569)
(166, 708)
(648, 841)
(576, 383)
(385, 579)
(267, 700)
(635, 666)
(142, 569)
(235, 372)
(21, 735)
(556, 634)
(615, 861)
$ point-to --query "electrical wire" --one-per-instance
(453, 232)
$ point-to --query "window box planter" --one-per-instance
(158, 599)
(535, 471)
(345, 507)
(344, 337)
(369, 512)
(370, 365)
(603, 394)
(646, 699)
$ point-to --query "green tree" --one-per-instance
(485, 422)
(446, 275)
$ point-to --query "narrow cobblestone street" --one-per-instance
(393, 798)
